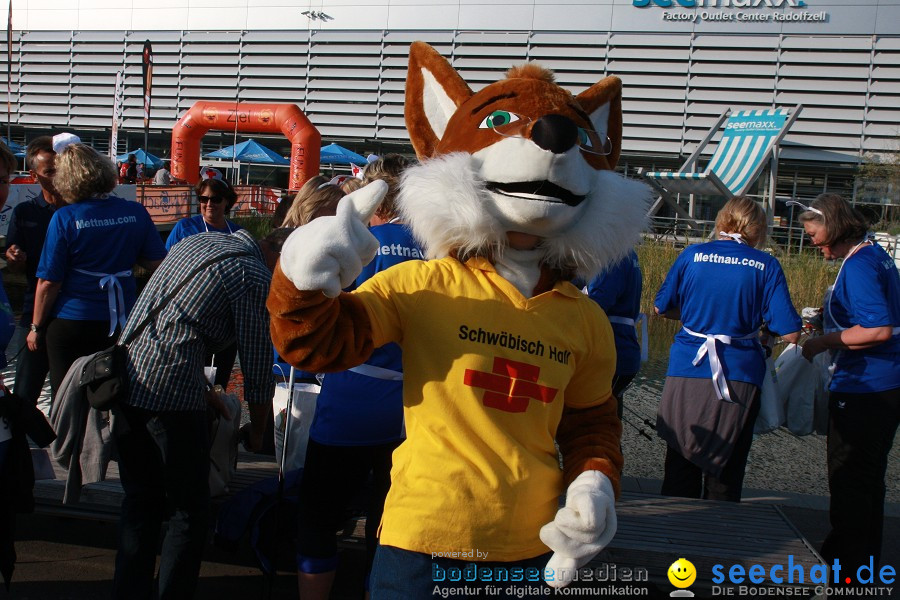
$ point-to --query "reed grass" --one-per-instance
(257, 225)
(807, 275)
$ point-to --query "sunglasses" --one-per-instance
(213, 199)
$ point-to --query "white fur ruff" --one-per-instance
(447, 206)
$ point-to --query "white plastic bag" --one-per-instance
(799, 384)
(771, 410)
(303, 410)
(223, 448)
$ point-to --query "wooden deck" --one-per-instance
(653, 531)
(101, 501)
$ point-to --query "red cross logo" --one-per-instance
(510, 385)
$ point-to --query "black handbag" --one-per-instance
(104, 377)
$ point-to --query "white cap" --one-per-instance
(61, 140)
(210, 173)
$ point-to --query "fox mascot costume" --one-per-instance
(514, 196)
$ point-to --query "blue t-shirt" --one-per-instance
(191, 225)
(867, 293)
(726, 288)
(359, 410)
(618, 292)
(100, 236)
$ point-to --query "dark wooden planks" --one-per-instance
(653, 531)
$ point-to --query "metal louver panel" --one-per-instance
(351, 84)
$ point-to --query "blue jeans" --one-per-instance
(164, 467)
(401, 574)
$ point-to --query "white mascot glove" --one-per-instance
(329, 253)
(582, 528)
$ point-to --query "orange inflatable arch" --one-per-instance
(246, 118)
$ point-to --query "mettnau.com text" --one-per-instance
(86, 223)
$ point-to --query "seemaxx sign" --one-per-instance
(722, 3)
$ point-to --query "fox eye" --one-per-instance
(498, 118)
(584, 139)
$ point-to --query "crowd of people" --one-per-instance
(206, 304)
(131, 171)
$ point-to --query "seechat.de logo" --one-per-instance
(682, 574)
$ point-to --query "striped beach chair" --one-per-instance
(749, 141)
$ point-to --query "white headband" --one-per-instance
(805, 207)
(735, 236)
(61, 140)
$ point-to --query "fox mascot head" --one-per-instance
(521, 155)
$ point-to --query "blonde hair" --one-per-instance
(388, 169)
(351, 185)
(744, 216)
(317, 198)
(82, 173)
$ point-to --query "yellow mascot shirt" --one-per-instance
(487, 373)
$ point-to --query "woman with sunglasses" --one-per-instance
(862, 330)
(215, 197)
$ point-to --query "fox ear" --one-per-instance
(434, 90)
(603, 102)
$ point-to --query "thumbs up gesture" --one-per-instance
(329, 253)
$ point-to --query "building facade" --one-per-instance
(682, 62)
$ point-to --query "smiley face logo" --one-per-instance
(682, 573)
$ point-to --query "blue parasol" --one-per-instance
(250, 151)
(332, 154)
(15, 147)
(142, 157)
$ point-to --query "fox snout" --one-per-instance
(556, 133)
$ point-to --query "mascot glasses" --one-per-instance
(511, 125)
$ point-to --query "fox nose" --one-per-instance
(555, 133)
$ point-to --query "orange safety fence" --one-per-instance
(166, 203)
(255, 200)
(171, 203)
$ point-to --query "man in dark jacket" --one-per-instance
(164, 455)
(24, 242)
